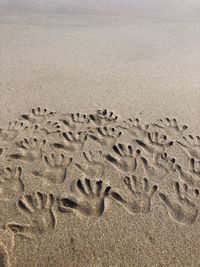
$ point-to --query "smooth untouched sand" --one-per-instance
(97, 188)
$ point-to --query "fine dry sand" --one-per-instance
(100, 133)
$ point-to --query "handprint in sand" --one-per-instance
(30, 149)
(171, 127)
(155, 143)
(75, 121)
(103, 117)
(71, 141)
(190, 146)
(37, 115)
(11, 183)
(54, 168)
(105, 137)
(88, 200)
(139, 195)
(124, 158)
(93, 165)
(135, 128)
(184, 207)
(37, 208)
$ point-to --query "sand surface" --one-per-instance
(99, 138)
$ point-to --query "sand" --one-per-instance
(99, 139)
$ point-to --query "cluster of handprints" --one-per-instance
(43, 146)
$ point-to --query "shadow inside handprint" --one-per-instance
(171, 127)
(183, 208)
(94, 166)
(51, 127)
(124, 158)
(71, 141)
(190, 176)
(134, 128)
(54, 168)
(89, 199)
(140, 193)
(75, 121)
(165, 162)
(155, 143)
(30, 149)
(190, 146)
(38, 210)
(14, 129)
(37, 115)
(105, 137)
(103, 117)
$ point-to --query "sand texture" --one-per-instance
(63, 173)
(99, 133)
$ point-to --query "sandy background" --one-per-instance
(138, 58)
(130, 56)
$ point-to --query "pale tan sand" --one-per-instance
(137, 59)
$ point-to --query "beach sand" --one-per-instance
(99, 138)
